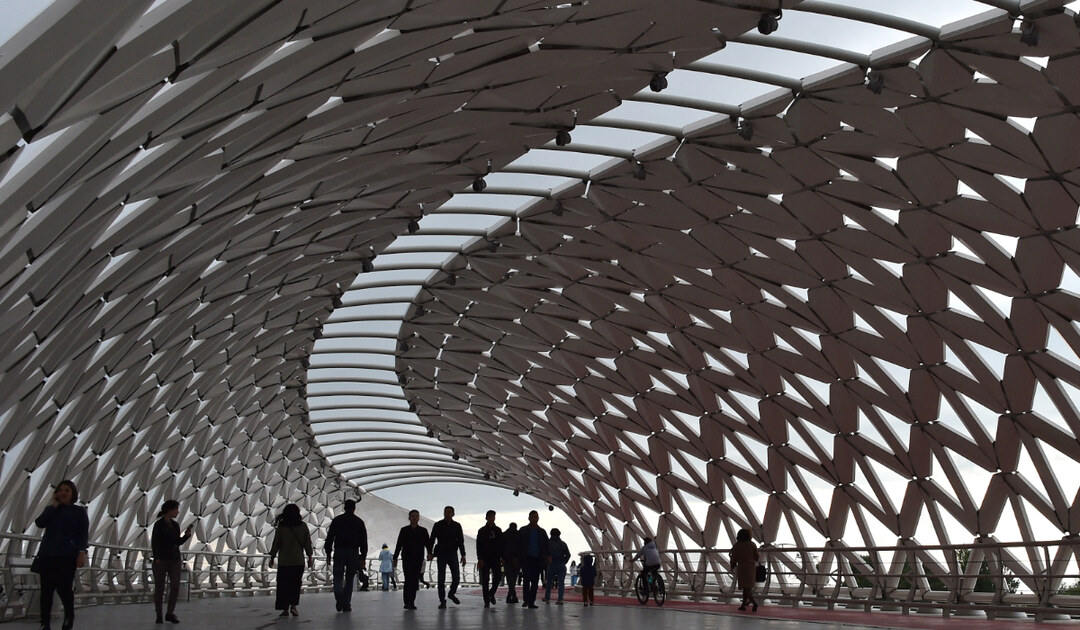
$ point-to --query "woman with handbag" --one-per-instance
(63, 549)
(291, 541)
(744, 560)
(165, 540)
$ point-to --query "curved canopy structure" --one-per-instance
(649, 261)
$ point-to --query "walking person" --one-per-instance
(558, 553)
(489, 552)
(588, 580)
(511, 562)
(165, 541)
(446, 539)
(744, 560)
(534, 556)
(346, 545)
(412, 541)
(62, 550)
(386, 566)
(291, 541)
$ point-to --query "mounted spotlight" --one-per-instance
(412, 407)
(875, 82)
(558, 209)
(517, 493)
(478, 185)
(639, 171)
(403, 346)
(456, 456)
(659, 82)
(420, 311)
(746, 130)
(336, 302)
(492, 246)
(563, 138)
(487, 476)
(551, 508)
(414, 226)
(769, 22)
(1029, 33)
(451, 280)
(367, 265)
(430, 433)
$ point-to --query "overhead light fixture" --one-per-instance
(478, 185)
(1029, 33)
(451, 280)
(367, 265)
(412, 407)
(639, 171)
(456, 456)
(516, 493)
(875, 82)
(659, 82)
(563, 138)
(558, 209)
(769, 22)
(430, 433)
(414, 226)
(551, 508)
(492, 246)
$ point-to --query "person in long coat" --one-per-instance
(63, 549)
(744, 560)
(165, 541)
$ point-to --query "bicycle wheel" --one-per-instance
(659, 593)
(641, 588)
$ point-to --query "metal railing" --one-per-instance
(119, 574)
(998, 580)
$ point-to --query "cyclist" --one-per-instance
(650, 557)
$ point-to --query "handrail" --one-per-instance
(122, 574)
(997, 579)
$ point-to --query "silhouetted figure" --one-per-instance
(291, 541)
(573, 571)
(511, 562)
(489, 552)
(556, 569)
(165, 541)
(346, 544)
(744, 560)
(412, 542)
(588, 580)
(534, 555)
(447, 539)
(62, 550)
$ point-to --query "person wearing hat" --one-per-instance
(386, 566)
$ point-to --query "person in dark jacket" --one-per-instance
(511, 563)
(556, 569)
(534, 555)
(588, 580)
(489, 551)
(412, 542)
(446, 539)
(165, 541)
(346, 546)
(291, 541)
(63, 549)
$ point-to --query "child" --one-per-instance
(588, 580)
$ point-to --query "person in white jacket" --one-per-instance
(386, 566)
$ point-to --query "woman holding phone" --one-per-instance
(63, 549)
(165, 542)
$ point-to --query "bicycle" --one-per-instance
(648, 583)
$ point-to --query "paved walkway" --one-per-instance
(383, 611)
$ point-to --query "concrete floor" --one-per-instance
(383, 610)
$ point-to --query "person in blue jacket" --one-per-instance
(63, 549)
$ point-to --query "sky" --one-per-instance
(471, 502)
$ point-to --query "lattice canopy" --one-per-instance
(822, 284)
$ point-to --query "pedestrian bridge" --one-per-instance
(377, 609)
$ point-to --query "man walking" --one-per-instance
(446, 539)
(556, 569)
(346, 546)
(511, 563)
(412, 541)
(534, 555)
(489, 551)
